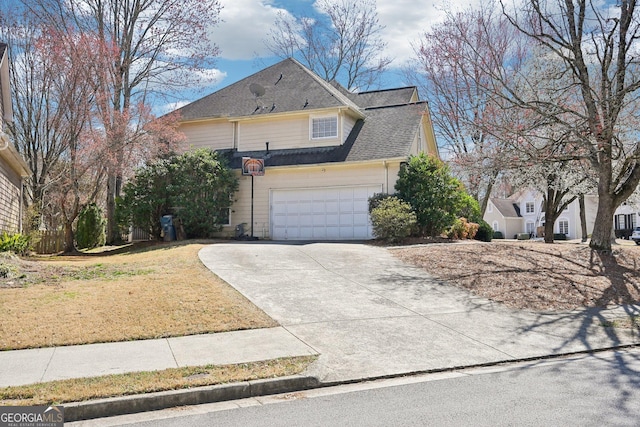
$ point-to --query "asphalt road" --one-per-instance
(587, 390)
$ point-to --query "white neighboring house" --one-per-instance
(625, 219)
(523, 212)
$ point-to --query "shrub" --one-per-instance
(462, 229)
(375, 200)
(523, 236)
(392, 219)
(559, 236)
(498, 235)
(436, 197)
(91, 227)
(485, 231)
(197, 186)
(17, 243)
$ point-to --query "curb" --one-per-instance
(193, 396)
(104, 408)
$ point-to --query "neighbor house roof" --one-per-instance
(8, 151)
(5, 91)
(507, 208)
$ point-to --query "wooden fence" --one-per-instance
(49, 242)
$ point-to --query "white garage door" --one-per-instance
(328, 213)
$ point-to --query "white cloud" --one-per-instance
(208, 77)
(172, 106)
(407, 20)
(245, 25)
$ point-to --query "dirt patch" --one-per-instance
(534, 275)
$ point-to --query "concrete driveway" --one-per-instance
(370, 315)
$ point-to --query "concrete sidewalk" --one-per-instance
(22, 367)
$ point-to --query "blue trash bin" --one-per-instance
(168, 229)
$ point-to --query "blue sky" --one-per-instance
(246, 24)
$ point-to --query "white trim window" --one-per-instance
(225, 214)
(324, 127)
(563, 226)
(490, 207)
(495, 226)
(529, 207)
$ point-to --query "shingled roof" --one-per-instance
(507, 208)
(288, 87)
(388, 125)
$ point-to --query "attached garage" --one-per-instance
(324, 213)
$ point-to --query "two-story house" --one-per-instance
(523, 212)
(13, 169)
(325, 150)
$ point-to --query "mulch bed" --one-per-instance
(534, 275)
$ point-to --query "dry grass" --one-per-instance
(77, 390)
(156, 291)
(534, 275)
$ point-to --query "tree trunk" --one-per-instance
(548, 230)
(603, 227)
(112, 227)
(69, 245)
(583, 218)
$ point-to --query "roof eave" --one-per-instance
(12, 157)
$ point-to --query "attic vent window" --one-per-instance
(324, 127)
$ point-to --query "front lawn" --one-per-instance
(157, 290)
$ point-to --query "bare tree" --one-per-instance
(157, 44)
(36, 129)
(451, 62)
(341, 42)
(597, 45)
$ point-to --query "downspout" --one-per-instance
(21, 210)
(386, 177)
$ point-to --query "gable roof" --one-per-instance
(288, 87)
(387, 125)
(507, 208)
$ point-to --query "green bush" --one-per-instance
(523, 236)
(17, 243)
(436, 197)
(498, 235)
(392, 219)
(559, 236)
(485, 232)
(462, 229)
(375, 200)
(197, 187)
(91, 228)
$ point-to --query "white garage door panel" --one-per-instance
(332, 213)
